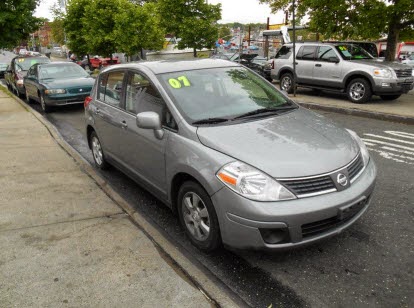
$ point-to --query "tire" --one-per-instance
(359, 91)
(97, 152)
(390, 97)
(198, 217)
(286, 83)
(45, 107)
(28, 99)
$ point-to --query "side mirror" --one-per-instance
(150, 120)
(333, 59)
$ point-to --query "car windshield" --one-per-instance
(25, 63)
(3, 65)
(222, 94)
(62, 71)
(353, 52)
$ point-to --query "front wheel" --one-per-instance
(359, 91)
(28, 99)
(390, 97)
(286, 83)
(46, 108)
(198, 216)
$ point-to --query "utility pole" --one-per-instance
(294, 49)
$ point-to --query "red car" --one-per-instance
(97, 62)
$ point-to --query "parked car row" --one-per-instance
(49, 83)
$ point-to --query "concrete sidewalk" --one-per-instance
(65, 243)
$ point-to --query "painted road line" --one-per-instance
(400, 134)
(387, 143)
(388, 138)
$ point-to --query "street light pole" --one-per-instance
(294, 49)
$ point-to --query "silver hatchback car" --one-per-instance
(240, 163)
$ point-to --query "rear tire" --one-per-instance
(198, 216)
(390, 97)
(97, 152)
(286, 83)
(359, 91)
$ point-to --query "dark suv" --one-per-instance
(341, 67)
(18, 70)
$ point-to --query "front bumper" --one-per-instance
(393, 86)
(286, 224)
(65, 99)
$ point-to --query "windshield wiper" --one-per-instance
(265, 110)
(211, 121)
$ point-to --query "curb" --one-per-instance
(359, 113)
(215, 291)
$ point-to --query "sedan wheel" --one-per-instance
(28, 99)
(45, 107)
(198, 217)
(98, 155)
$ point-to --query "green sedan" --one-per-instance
(57, 84)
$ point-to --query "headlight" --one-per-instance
(55, 91)
(382, 72)
(252, 183)
(362, 146)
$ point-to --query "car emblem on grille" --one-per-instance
(80, 90)
(342, 179)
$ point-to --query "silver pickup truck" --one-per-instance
(341, 67)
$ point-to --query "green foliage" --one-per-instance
(194, 21)
(17, 21)
(224, 32)
(138, 28)
(56, 26)
(107, 26)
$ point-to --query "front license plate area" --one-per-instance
(350, 211)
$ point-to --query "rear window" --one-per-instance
(25, 63)
(284, 52)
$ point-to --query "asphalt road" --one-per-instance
(370, 264)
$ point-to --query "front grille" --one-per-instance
(85, 90)
(402, 73)
(325, 225)
(309, 186)
(355, 168)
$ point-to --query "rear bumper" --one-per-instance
(287, 224)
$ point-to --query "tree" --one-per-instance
(74, 26)
(224, 32)
(17, 21)
(57, 25)
(193, 21)
(137, 27)
(356, 19)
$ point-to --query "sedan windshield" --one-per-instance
(217, 95)
(62, 71)
(353, 52)
(25, 63)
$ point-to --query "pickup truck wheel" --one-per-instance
(390, 97)
(359, 91)
(198, 216)
(286, 83)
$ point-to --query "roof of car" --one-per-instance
(169, 66)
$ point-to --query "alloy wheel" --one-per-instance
(357, 91)
(286, 83)
(196, 217)
(97, 150)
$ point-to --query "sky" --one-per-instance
(244, 11)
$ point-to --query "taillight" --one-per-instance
(88, 99)
(273, 64)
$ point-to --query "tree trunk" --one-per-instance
(195, 52)
(392, 40)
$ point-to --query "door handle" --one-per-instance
(124, 124)
(296, 63)
(318, 65)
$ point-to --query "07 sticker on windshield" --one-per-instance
(178, 82)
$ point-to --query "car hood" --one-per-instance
(295, 144)
(381, 64)
(68, 83)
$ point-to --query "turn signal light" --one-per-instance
(88, 99)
